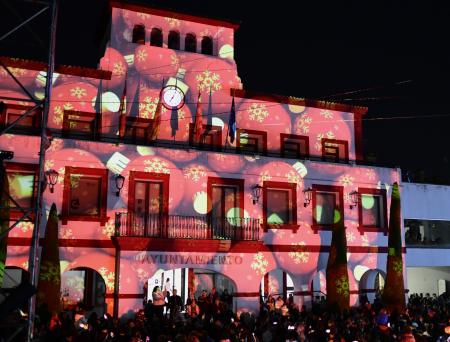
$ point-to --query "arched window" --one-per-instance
(190, 43)
(156, 38)
(138, 34)
(207, 45)
(174, 40)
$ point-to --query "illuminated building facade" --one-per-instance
(251, 210)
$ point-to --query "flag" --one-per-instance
(174, 121)
(210, 111)
(98, 108)
(123, 110)
(232, 123)
(198, 123)
(134, 108)
(156, 121)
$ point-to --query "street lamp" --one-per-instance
(52, 178)
(307, 193)
(119, 180)
(354, 198)
(256, 193)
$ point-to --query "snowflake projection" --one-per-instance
(257, 112)
(208, 80)
(61, 173)
(342, 286)
(346, 180)
(49, 271)
(74, 181)
(59, 112)
(143, 16)
(17, 72)
(142, 274)
(56, 145)
(347, 197)
(294, 177)
(327, 114)
(108, 277)
(350, 236)
(194, 173)
(118, 69)
(370, 174)
(265, 176)
(398, 266)
(330, 135)
(364, 240)
(299, 257)
(173, 22)
(25, 265)
(78, 92)
(156, 165)
(259, 263)
(141, 55)
(147, 107)
(25, 226)
(109, 228)
(304, 123)
(174, 60)
(371, 259)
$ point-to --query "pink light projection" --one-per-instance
(299, 250)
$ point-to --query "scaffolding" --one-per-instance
(44, 105)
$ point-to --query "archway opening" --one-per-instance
(371, 283)
(195, 280)
(276, 283)
(83, 287)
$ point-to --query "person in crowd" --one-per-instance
(175, 305)
(192, 309)
(167, 288)
(158, 302)
(203, 303)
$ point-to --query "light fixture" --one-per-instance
(120, 180)
(307, 193)
(52, 178)
(354, 198)
(256, 192)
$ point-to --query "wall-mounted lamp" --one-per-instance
(307, 194)
(52, 178)
(354, 198)
(120, 180)
(256, 192)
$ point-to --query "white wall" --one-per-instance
(425, 279)
(425, 201)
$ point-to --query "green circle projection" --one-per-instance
(367, 201)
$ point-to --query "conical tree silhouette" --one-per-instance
(394, 288)
(338, 291)
(49, 283)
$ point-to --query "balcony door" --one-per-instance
(148, 204)
(226, 206)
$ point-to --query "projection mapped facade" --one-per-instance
(187, 209)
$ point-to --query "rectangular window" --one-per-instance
(335, 151)
(22, 187)
(210, 139)
(294, 146)
(84, 197)
(280, 205)
(328, 208)
(79, 123)
(372, 209)
(12, 112)
(138, 130)
(148, 202)
(251, 142)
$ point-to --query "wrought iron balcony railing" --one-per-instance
(186, 227)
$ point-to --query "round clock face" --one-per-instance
(172, 97)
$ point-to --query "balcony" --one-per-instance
(129, 224)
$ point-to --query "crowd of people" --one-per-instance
(209, 317)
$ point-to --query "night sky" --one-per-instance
(398, 52)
